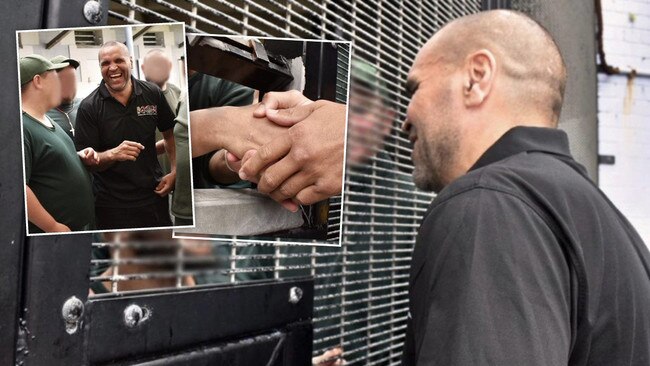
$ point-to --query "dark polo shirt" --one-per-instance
(524, 261)
(103, 123)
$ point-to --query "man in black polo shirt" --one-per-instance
(120, 118)
(520, 259)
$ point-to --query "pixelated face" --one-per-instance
(68, 78)
(369, 122)
(157, 69)
(51, 86)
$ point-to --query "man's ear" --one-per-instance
(37, 81)
(478, 77)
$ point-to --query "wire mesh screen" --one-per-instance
(361, 287)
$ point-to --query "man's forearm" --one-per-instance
(106, 160)
(36, 213)
(170, 148)
(160, 147)
(207, 130)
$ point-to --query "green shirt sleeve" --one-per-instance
(27, 145)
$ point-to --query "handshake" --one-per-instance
(291, 146)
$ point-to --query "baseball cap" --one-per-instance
(61, 59)
(33, 65)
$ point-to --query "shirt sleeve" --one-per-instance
(27, 148)
(497, 285)
(228, 93)
(86, 130)
(166, 117)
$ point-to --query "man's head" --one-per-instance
(475, 79)
(116, 64)
(370, 119)
(68, 78)
(39, 82)
(156, 67)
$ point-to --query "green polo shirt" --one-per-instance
(65, 116)
(56, 175)
(172, 95)
(182, 196)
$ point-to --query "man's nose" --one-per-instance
(406, 126)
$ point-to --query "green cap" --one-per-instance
(367, 74)
(33, 65)
(61, 59)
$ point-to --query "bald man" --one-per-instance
(157, 67)
(120, 119)
(520, 259)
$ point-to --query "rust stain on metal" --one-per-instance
(628, 102)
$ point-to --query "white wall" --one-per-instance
(88, 73)
(624, 110)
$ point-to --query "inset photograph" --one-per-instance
(269, 121)
(105, 128)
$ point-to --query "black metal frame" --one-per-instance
(183, 320)
(39, 274)
(248, 66)
(11, 189)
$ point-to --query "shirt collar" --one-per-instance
(525, 139)
(103, 90)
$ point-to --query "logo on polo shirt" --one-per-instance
(147, 110)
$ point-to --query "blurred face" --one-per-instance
(433, 127)
(50, 86)
(369, 123)
(156, 69)
(68, 79)
(115, 63)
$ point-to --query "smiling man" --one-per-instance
(520, 259)
(120, 119)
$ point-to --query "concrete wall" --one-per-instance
(624, 110)
(572, 25)
(88, 73)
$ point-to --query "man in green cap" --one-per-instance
(58, 190)
(65, 113)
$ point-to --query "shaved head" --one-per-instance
(525, 51)
(119, 45)
(475, 79)
(156, 54)
(157, 67)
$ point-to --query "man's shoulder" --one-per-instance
(174, 89)
(91, 99)
(148, 87)
(525, 177)
(29, 123)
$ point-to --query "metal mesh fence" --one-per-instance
(361, 287)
